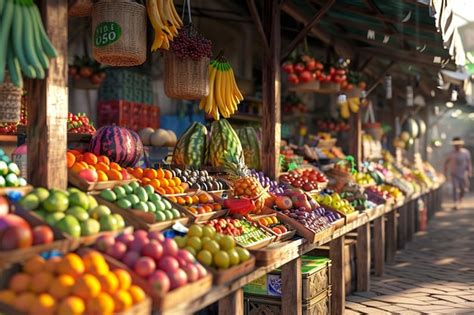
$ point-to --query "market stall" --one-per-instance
(131, 218)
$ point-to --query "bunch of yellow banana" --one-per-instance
(224, 94)
(165, 20)
(348, 106)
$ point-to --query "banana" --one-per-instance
(167, 12)
(18, 46)
(176, 17)
(5, 26)
(236, 87)
(29, 46)
(218, 85)
(37, 22)
(14, 69)
(43, 58)
(210, 96)
(159, 38)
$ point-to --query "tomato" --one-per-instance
(293, 78)
(288, 67)
(85, 72)
(341, 72)
(311, 65)
(319, 66)
(299, 67)
(305, 76)
(350, 87)
(332, 71)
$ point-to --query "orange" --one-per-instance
(7, 296)
(79, 158)
(137, 294)
(173, 199)
(149, 173)
(71, 265)
(115, 166)
(160, 173)
(146, 181)
(87, 286)
(177, 181)
(20, 282)
(102, 176)
(34, 264)
(180, 201)
(51, 264)
(123, 300)
(71, 159)
(169, 190)
(90, 158)
(163, 182)
(113, 174)
(41, 281)
(161, 191)
(109, 282)
(79, 166)
(101, 166)
(44, 304)
(24, 301)
(71, 305)
(102, 304)
(137, 172)
(203, 198)
(103, 159)
(195, 199)
(95, 263)
(124, 278)
(171, 183)
(176, 190)
(74, 152)
(61, 286)
(168, 174)
(155, 183)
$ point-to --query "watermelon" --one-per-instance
(138, 148)
(118, 144)
(251, 146)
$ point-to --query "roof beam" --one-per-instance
(380, 77)
(258, 23)
(378, 14)
(307, 28)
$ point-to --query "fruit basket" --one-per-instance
(271, 224)
(200, 206)
(85, 185)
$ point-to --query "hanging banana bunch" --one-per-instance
(224, 94)
(348, 105)
(165, 21)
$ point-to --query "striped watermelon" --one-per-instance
(117, 143)
(138, 147)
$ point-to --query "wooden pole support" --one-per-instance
(379, 245)
(411, 219)
(363, 257)
(48, 106)
(402, 226)
(232, 304)
(355, 147)
(391, 244)
(291, 288)
(338, 297)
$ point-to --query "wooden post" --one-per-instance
(402, 226)
(233, 304)
(355, 147)
(391, 236)
(338, 297)
(291, 294)
(379, 245)
(411, 208)
(48, 106)
(363, 257)
(271, 88)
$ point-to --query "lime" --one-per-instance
(120, 192)
(205, 257)
(99, 211)
(78, 212)
(70, 190)
(234, 257)
(195, 230)
(53, 218)
(209, 231)
(227, 242)
(108, 223)
(221, 259)
(244, 254)
(149, 189)
(134, 185)
(29, 202)
(41, 193)
(56, 201)
(160, 216)
(211, 246)
(90, 227)
(69, 225)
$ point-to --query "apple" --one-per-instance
(192, 272)
(186, 256)
(153, 250)
(130, 258)
(168, 264)
(15, 237)
(125, 238)
(177, 278)
(42, 234)
(159, 281)
(144, 266)
(117, 250)
(202, 271)
(140, 233)
(170, 247)
(156, 235)
(104, 242)
(138, 243)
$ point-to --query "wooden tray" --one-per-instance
(23, 190)
(203, 217)
(348, 217)
(84, 185)
(311, 87)
(339, 223)
(309, 235)
(277, 237)
(224, 276)
(140, 219)
(260, 244)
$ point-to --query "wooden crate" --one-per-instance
(84, 185)
(308, 234)
(23, 190)
(278, 237)
(225, 276)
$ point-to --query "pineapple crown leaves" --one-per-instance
(234, 166)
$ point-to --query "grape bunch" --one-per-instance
(265, 181)
(190, 44)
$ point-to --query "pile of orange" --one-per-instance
(71, 285)
(94, 168)
(162, 180)
(198, 203)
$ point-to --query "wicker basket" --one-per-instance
(10, 101)
(119, 32)
(186, 79)
(80, 8)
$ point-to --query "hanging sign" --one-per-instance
(107, 33)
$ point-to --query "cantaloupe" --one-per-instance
(172, 139)
(145, 135)
(159, 138)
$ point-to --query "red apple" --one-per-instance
(130, 258)
(202, 271)
(125, 238)
(170, 247)
(192, 272)
(144, 266)
(140, 233)
(159, 281)
(104, 242)
(187, 256)
(153, 250)
(138, 243)
(89, 175)
(16, 237)
(42, 234)
(156, 235)
(168, 264)
(177, 278)
(117, 250)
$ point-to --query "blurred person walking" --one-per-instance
(458, 163)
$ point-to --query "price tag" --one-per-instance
(107, 33)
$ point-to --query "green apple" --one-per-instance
(41, 193)
(79, 213)
(99, 211)
(69, 225)
(29, 202)
(53, 218)
(90, 227)
(56, 201)
(78, 198)
(108, 223)
(108, 195)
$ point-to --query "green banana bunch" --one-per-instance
(24, 44)
(224, 94)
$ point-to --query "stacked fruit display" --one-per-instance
(132, 196)
(272, 223)
(154, 258)
(311, 220)
(335, 201)
(200, 179)
(72, 212)
(163, 181)
(94, 168)
(71, 284)
(9, 172)
(294, 198)
(79, 123)
(265, 181)
(12, 128)
(212, 249)
(356, 197)
(393, 191)
(308, 179)
(377, 195)
(198, 203)
(364, 179)
(302, 69)
(244, 232)
(16, 233)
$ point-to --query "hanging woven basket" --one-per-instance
(80, 8)
(10, 101)
(185, 78)
(119, 32)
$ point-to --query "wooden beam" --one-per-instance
(291, 288)
(402, 227)
(338, 297)
(271, 89)
(48, 106)
(366, 64)
(380, 77)
(379, 245)
(363, 258)
(307, 28)
(258, 23)
(378, 15)
(391, 236)
(232, 304)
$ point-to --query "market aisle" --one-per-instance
(434, 274)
